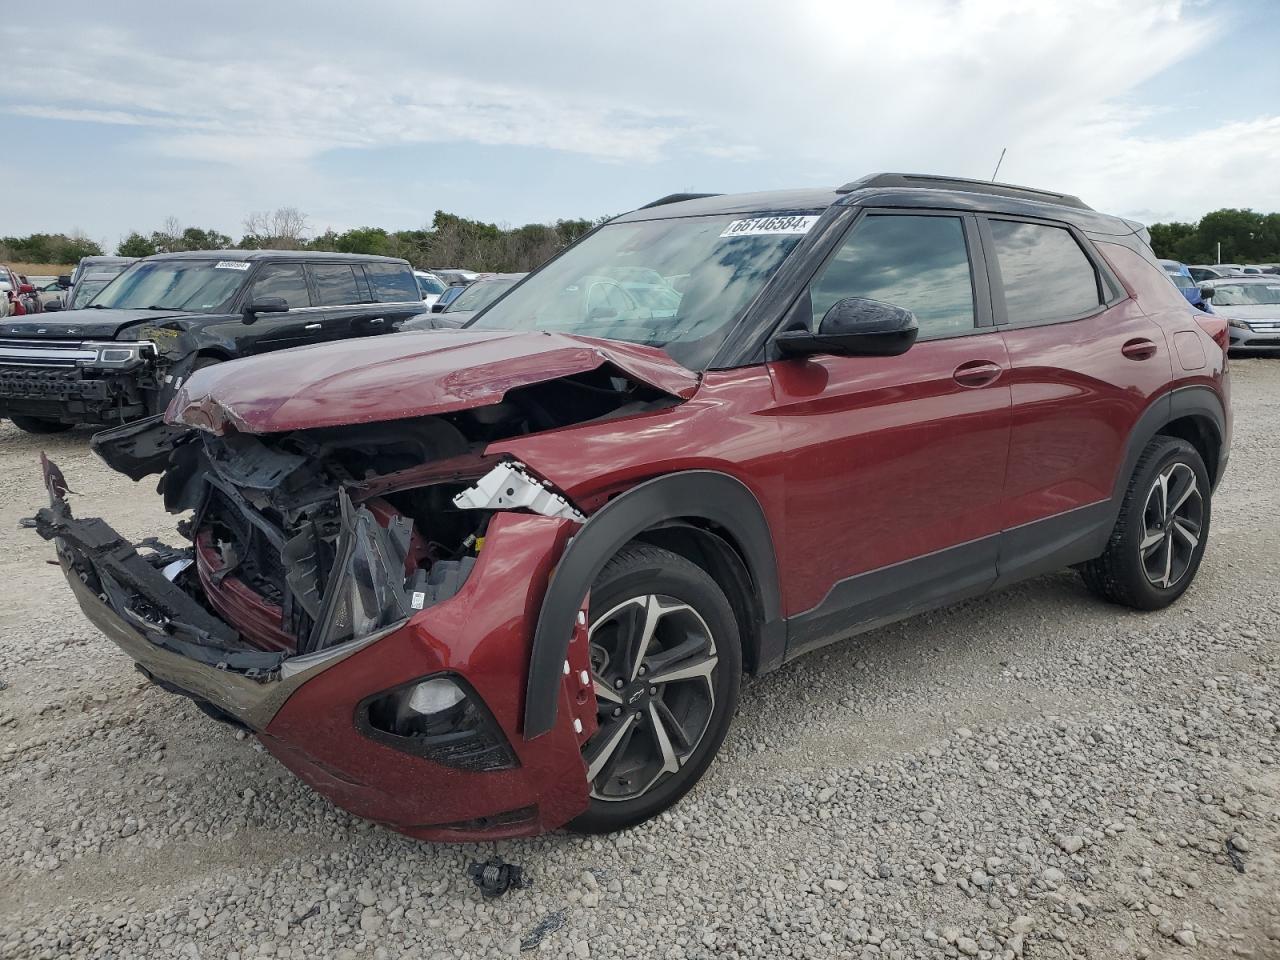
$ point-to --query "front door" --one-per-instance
(276, 331)
(895, 465)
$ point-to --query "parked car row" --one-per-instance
(1201, 272)
(486, 582)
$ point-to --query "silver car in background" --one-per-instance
(1251, 306)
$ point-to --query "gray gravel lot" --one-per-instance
(1031, 774)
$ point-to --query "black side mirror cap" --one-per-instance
(64, 280)
(265, 305)
(1206, 291)
(855, 327)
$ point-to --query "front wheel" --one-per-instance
(666, 661)
(40, 425)
(1161, 533)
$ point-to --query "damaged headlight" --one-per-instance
(121, 355)
(440, 718)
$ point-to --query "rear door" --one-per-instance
(394, 291)
(342, 299)
(894, 465)
(1086, 362)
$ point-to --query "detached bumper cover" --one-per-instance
(304, 708)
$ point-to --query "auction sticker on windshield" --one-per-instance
(231, 265)
(761, 226)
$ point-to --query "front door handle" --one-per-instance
(375, 321)
(312, 326)
(1139, 348)
(977, 373)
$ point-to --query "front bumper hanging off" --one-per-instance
(307, 710)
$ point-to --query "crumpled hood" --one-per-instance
(401, 375)
(80, 324)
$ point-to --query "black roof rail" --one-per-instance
(960, 183)
(676, 198)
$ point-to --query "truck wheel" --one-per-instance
(1160, 535)
(40, 425)
(666, 661)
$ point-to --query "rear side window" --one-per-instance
(282, 280)
(1046, 275)
(335, 284)
(392, 282)
(920, 263)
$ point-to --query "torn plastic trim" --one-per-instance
(511, 486)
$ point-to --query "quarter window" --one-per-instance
(920, 263)
(1046, 274)
(392, 282)
(335, 284)
(282, 280)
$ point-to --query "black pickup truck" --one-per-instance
(124, 355)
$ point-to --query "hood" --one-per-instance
(80, 324)
(1264, 311)
(402, 375)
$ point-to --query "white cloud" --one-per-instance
(807, 92)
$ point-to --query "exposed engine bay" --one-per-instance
(302, 541)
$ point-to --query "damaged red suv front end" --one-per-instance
(362, 591)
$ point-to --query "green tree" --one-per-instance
(371, 240)
(135, 245)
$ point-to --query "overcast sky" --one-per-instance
(380, 113)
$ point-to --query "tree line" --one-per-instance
(1246, 237)
(450, 241)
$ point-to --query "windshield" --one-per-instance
(201, 286)
(677, 284)
(479, 295)
(1245, 294)
(1182, 281)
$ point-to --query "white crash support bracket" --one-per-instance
(509, 486)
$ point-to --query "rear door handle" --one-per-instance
(1139, 348)
(977, 373)
(312, 326)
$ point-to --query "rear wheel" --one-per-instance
(1160, 535)
(40, 425)
(666, 661)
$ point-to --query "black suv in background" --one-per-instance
(124, 356)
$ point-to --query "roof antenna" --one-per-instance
(998, 162)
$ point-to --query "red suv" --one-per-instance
(491, 581)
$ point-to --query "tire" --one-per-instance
(1137, 570)
(41, 425)
(671, 735)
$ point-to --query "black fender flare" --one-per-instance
(703, 494)
(1198, 401)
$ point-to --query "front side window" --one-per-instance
(335, 284)
(200, 286)
(677, 284)
(1046, 274)
(428, 285)
(916, 262)
(479, 295)
(392, 282)
(282, 280)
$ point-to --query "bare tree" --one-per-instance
(283, 228)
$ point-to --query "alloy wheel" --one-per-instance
(653, 663)
(1172, 524)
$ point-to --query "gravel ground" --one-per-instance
(1032, 774)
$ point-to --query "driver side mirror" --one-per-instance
(265, 305)
(855, 327)
(1206, 291)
